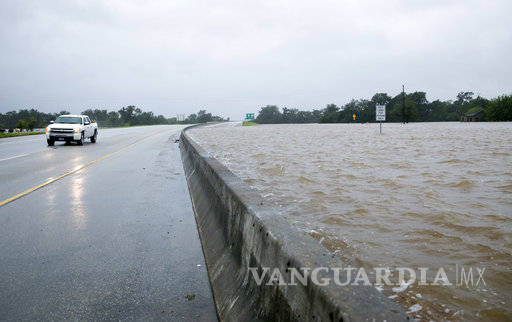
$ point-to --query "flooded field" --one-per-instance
(420, 195)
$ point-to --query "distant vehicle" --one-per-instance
(71, 128)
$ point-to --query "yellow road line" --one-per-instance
(26, 192)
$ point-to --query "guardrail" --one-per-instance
(239, 229)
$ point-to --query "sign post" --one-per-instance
(380, 115)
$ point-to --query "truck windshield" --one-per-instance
(69, 120)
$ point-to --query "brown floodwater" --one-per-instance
(421, 195)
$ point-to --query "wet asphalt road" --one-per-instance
(115, 240)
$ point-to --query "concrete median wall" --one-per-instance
(238, 230)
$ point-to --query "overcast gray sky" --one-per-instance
(232, 57)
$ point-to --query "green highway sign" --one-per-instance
(249, 116)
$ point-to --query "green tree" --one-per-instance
(203, 117)
(114, 119)
(407, 114)
(192, 118)
(330, 114)
(436, 111)
(381, 98)
(500, 109)
(31, 124)
(269, 114)
(464, 98)
(22, 124)
(127, 114)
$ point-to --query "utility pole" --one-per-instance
(404, 120)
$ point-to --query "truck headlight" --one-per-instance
(77, 130)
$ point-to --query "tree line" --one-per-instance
(412, 107)
(127, 116)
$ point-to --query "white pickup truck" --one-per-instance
(71, 128)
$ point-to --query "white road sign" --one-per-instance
(380, 112)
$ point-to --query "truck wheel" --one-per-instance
(94, 137)
(81, 141)
(50, 142)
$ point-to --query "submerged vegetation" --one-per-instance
(245, 123)
(413, 107)
(11, 134)
(127, 116)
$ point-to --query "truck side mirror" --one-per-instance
(51, 122)
(87, 123)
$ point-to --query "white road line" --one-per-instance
(19, 141)
(14, 157)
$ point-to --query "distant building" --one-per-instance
(473, 115)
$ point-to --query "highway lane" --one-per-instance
(15, 147)
(19, 146)
(114, 240)
(33, 153)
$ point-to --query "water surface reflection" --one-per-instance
(420, 195)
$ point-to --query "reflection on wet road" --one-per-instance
(115, 240)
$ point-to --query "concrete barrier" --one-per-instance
(239, 229)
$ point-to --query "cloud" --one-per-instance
(232, 57)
